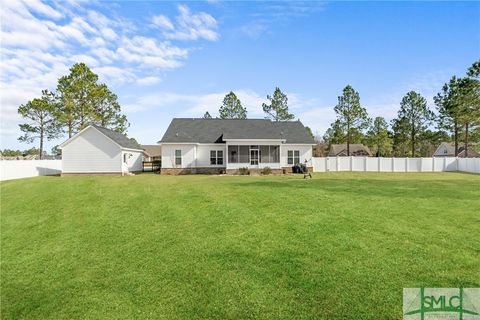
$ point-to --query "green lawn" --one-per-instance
(340, 246)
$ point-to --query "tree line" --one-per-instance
(416, 131)
(410, 133)
(78, 101)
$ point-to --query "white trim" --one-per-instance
(74, 137)
(182, 143)
(254, 140)
(96, 171)
(235, 140)
(129, 149)
(90, 126)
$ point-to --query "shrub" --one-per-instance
(244, 171)
(266, 171)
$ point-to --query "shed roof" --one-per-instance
(121, 139)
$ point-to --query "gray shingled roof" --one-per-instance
(355, 148)
(119, 138)
(215, 130)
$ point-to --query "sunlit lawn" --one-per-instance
(339, 246)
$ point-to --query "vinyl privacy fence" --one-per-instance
(16, 169)
(369, 164)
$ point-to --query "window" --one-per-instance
(216, 157)
(220, 157)
(293, 157)
(178, 157)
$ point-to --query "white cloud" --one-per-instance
(195, 105)
(188, 26)
(162, 22)
(148, 81)
(43, 9)
(42, 40)
(254, 29)
(270, 14)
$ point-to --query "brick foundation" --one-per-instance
(182, 171)
(254, 172)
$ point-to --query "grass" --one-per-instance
(340, 246)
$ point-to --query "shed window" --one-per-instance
(178, 157)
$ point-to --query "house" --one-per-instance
(356, 150)
(153, 152)
(226, 145)
(447, 149)
(97, 150)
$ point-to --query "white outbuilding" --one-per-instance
(97, 150)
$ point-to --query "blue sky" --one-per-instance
(178, 59)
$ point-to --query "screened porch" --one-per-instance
(253, 155)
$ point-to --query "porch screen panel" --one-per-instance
(233, 154)
(265, 154)
(275, 154)
(244, 154)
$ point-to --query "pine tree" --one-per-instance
(232, 108)
(42, 124)
(277, 110)
(350, 114)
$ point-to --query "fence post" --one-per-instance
(351, 163)
(433, 164)
(378, 164)
(445, 163)
(406, 164)
(336, 164)
(393, 164)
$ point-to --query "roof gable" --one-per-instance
(355, 149)
(191, 130)
(444, 148)
(118, 138)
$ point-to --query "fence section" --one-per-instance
(469, 165)
(16, 169)
(396, 164)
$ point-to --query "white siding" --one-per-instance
(203, 155)
(188, 155)
(134, 161)
(198, 156)
(91, 151)
(305, 154)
